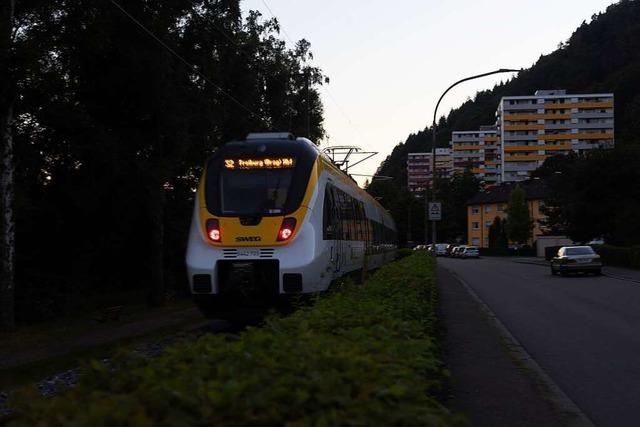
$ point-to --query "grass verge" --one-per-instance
(366, 355)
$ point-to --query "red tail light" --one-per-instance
(213, 230)
(286, 229)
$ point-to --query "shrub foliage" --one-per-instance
(619, 256)
(365, 355)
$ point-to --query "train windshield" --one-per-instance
(257, 179)
(255, 191)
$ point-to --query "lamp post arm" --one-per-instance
(501, 70)
(433, 139)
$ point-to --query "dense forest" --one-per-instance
(111, 109)
(600, 56)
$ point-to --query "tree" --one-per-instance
(111, 131)
(7, 225)
(592, 195)
(494, 232)
(519, 223)
(454, 193)
(497, 234)
(503, 240)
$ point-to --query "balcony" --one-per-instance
(524, 158)
(583, 104)
(536, 116)
(523, 127)
(581, 135)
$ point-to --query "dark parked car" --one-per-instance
(574, 259)
(449, 249)
(455, 252)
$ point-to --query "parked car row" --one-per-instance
(451, 250)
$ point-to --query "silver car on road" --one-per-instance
(573, 259)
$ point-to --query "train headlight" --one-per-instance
(213, 230)
(286, 229)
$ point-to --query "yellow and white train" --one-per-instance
(275, 217)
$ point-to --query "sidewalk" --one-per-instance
(487, 386)
(610, 271)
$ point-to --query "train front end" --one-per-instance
(253, 237)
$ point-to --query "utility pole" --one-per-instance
(409, 225)
(7, 217)
(433, 141)
(426, 215)
(308, 118)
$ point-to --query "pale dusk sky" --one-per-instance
(388, 62)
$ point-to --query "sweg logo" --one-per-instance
(248, 239)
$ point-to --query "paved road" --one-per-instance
(583, 331)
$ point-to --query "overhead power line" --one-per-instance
(326, 88)
(187, 63)
(273, 15)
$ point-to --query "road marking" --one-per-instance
(555, 394)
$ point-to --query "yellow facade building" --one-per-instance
(484, 207)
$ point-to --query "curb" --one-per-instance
(575, 416)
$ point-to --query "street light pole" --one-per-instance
(433, 139)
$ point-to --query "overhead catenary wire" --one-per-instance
(281, 27)
(187, 63)
(326, 88)
(347, 117)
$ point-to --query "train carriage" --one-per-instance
(274, 218)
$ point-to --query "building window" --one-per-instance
(500, 207)
(475, 241)
(475, 210)
(475, 225)
(487, 209)
(488, 224)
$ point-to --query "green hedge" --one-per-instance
(403, 253)
(366, 355)
(628, 257)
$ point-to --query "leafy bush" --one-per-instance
(403, 253)
(619, 256)
(366, 355)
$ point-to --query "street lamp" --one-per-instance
(433, 143)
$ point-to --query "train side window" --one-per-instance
(339, 200)
(358, 219)
(350, 217)
(346, 211)
(328, 216)
(357, 231)
(363, 222)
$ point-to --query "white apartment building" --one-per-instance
(532, 128)
(478, 151)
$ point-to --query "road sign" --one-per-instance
(435, 211)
